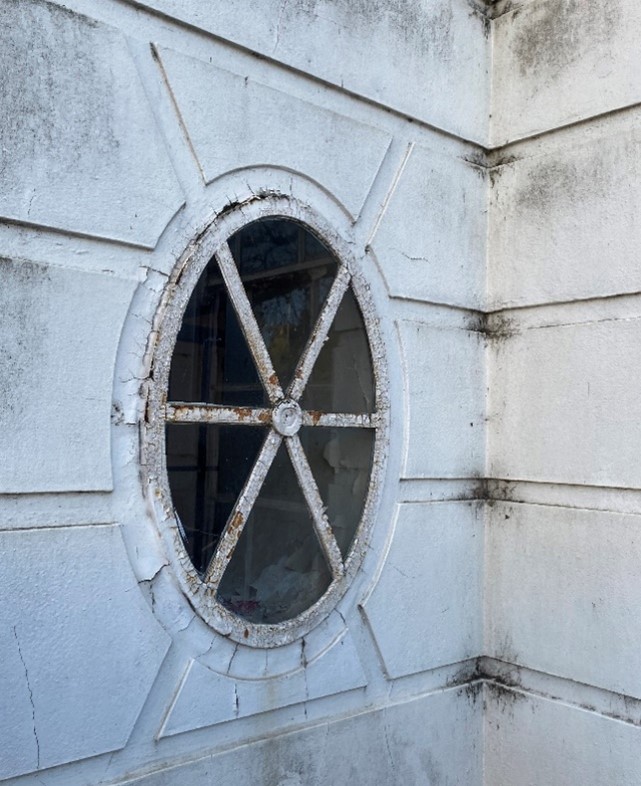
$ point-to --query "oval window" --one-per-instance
(270, 425)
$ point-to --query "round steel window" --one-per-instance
(266, 417)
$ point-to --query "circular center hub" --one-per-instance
(287, 418)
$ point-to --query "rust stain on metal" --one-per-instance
(237, 520)
(180, 412)
(193, 580)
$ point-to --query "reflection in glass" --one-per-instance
(207, 467)
(341, 462)
(211, 361)
(287, 273)
(342, 379)
(278, 568)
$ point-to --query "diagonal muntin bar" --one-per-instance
(242, 508)
(249, 324)
(319, 334)
(315, 505)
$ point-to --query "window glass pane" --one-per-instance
(207, 468)
(341, 462)
(287, 273)
(211, 361)
(278, 568)
(342, 379)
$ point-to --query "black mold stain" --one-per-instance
(477, 159)
(505, 492)
(474, 691)
(506, 653)
(497, 327)
(465, 676)
(499, 8)
(498, 159)
(504, 696)
(561, 32)
(566, 181)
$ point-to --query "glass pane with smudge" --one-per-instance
(278, 568)
(342, 379)
(207, 467)
(341, 462)
(211, 361)
(287, 273)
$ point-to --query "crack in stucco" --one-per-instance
(33, 706)
(279, 22)
(387, 742)
(149, 584)
(231, 660)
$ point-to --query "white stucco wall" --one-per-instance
(480, 161)
(563, 548)
(128, 127)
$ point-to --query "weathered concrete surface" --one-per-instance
(563, 597)
(431, 243)
(236, 123)
(444, 394)
(426, 608)
(206, 698)
(429, 60)
(58, 339)
(561, 588)
(78, 646)
(433, 740)
(532, 741)
(564, 217)
(79, 147)
(562, 407)
(560, 61)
